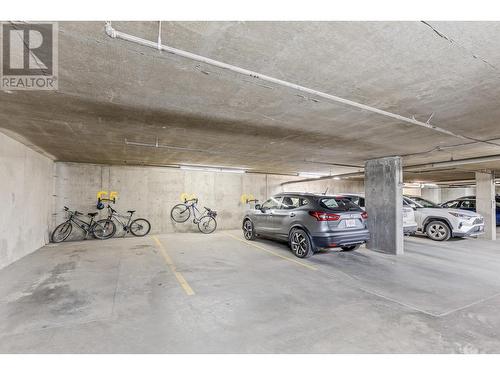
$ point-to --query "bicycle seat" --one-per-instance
(131, 211)
(92, 214)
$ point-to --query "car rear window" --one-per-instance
(339, 204)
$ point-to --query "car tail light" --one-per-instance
(324, 216)
(364, 215)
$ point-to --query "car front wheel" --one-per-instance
(301, 244)
(438, 231)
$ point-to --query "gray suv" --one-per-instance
(308, 222)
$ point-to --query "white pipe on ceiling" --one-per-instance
(452, 163)
(110, 31)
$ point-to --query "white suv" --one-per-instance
(409, 223)
(439, 224)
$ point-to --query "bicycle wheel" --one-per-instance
(104, 229)
(207, 224)
(180, 213)
(62, 232)
(140, 227)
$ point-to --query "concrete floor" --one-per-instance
(193, 293)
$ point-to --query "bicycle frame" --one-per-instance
(83, 225)
(113, 214)
(192, 206)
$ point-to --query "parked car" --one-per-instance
(308, 222)
(439, 223)
(469, 203)
(409, 223)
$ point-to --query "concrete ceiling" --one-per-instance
(111, 90)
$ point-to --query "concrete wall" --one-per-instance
(441, 195)
(432, 193)
(153, 191)
(26, 188)
(412, 191)
(448, 194)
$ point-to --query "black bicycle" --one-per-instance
(138, 227)
(181, 212)
(100, 229)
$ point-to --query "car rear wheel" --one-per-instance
(248, 230)
(301, 244)
(438, 231)
(350, 248)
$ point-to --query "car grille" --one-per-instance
(479, 220)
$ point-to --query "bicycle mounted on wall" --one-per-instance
(205, 220)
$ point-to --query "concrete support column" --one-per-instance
(485, 203)
(384, 204)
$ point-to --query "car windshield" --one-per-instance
(339, 204)
(424, 202)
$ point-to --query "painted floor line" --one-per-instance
(272, 252)
(182, 281)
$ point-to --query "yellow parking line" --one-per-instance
(272, 252)
(182, 281)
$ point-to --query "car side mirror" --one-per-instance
(257, 206)
(414, 206)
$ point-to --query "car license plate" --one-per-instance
(349, 223)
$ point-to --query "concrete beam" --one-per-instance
(384, 204)
(485, 203)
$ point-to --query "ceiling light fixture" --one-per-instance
(412, 185)
(311, 175)
(211, 169)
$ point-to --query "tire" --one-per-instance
(438, 230)
(140, 227)
(350, 248)
(248, 230)
(104, 229)
(207, 224)
(301, 244)
(62, 232)
(180, 213)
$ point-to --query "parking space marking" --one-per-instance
(182, 281)
(272, 252)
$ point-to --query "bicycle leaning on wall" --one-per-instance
(100, 229)
(138, 227)
(180, 213)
